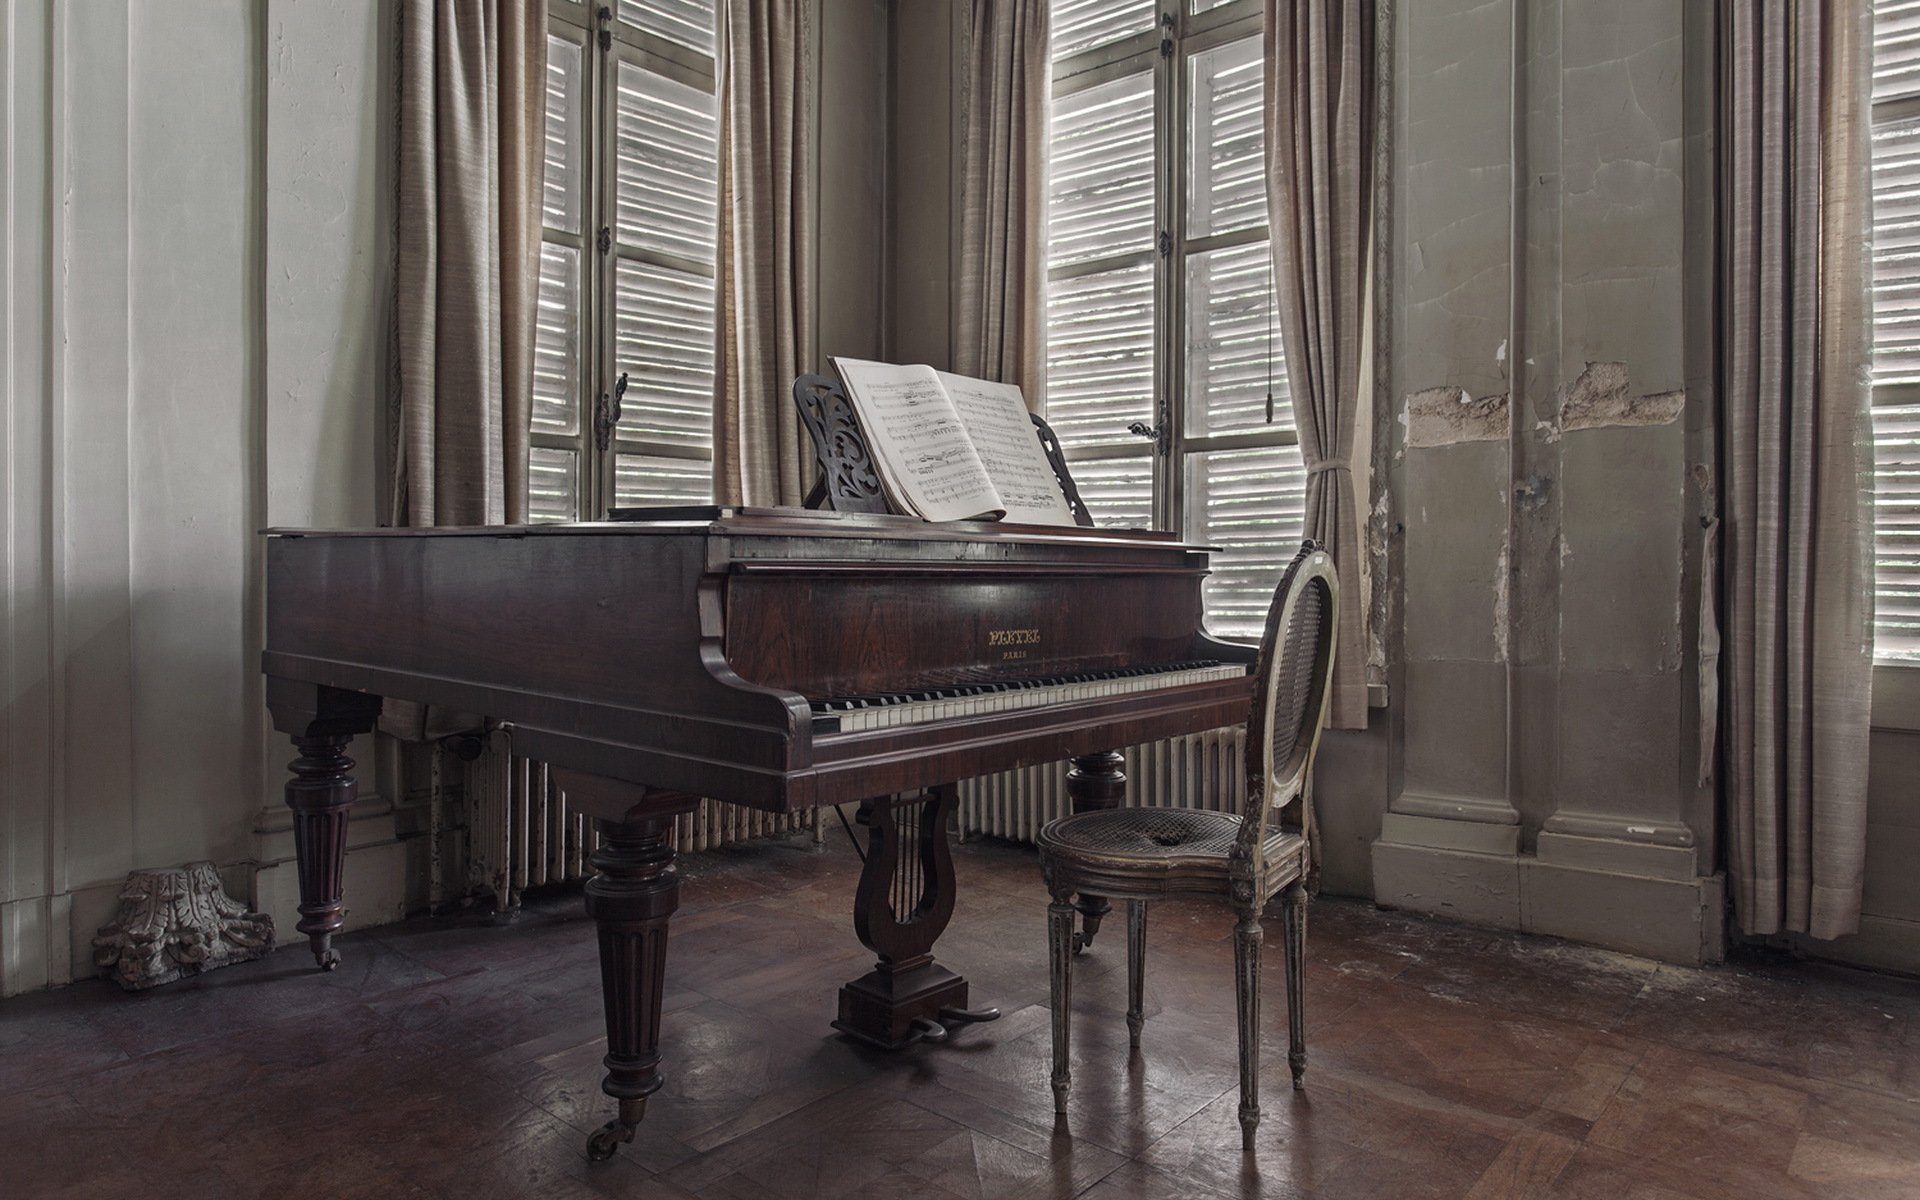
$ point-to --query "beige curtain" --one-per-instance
(1797, 502)
(767, 264)
(1320, 141)
(472, 112)
(1000, 325)
(472, 84)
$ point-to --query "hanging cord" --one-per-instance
(1269, 347)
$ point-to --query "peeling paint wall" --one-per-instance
(1550, 393)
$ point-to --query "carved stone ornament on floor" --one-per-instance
(175, 922)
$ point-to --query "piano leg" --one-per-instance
(902, 905)
(1094, 781)
(322, 720)
(631, 897)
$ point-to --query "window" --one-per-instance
(1162, 350)
(1896, 329)
(627, 259)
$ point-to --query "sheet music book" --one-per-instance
(948, 447)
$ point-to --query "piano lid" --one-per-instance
(780, 521)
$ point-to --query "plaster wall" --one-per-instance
(1550, 393)
(194, 258)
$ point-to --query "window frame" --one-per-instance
(1191, 34)
(1896, 705)
(607, 42)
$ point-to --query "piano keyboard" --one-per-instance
(848, 714)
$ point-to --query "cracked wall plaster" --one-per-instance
(1445, 416)
(1600, 398)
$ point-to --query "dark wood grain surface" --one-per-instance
(453, 1058)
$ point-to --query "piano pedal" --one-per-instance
(968, 1016)
(926, 1029)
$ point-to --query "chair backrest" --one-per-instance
(1293, 679)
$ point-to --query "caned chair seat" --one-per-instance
(1154, 844)
(1143, 854)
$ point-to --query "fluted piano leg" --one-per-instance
(321, 721)
(631, 898)
(1095, 781)
(321, 793)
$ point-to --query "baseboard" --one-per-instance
(1673, 920)
(1883, 944)
(30, 931)
(47, 941)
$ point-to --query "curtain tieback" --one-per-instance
(1323, 468)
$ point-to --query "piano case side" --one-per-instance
(595, 647)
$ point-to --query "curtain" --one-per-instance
(1000, 327)
(1796, 451)
(472, 114)
(1320, 142)
(767, 264)
(472, 110)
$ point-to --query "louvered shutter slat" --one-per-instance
(1227, 183)
(560, 193)
(1100, 186)
(1233, 344)
(667, 173)
(1896, 528)
(1896, 252)
(1249, 505)
(688, 22)
(1896, 48)
(1896, 334)
(1118, 492)
(645, 481)
(663, 339)
(666, 185)
(1100, 356)
(556, 342)
(553, 484)
(1078, 25)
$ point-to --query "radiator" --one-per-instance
(521, 832)
(1201, 770)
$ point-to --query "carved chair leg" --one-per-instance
(1295, 934)
(1247, 936)
(1136, 970)
(320, 794)
(1060, 916)
(631, 897)
(1095, 781)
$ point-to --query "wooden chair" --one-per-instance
(1143, 854)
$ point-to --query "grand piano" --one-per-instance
(778, 658)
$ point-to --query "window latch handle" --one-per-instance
(1160, 435)
(606, 414)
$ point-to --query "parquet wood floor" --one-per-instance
(456, 1058)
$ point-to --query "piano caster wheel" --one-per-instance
(1081, 940)
(327, 959)
(603, 1142)
(968, 1016)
